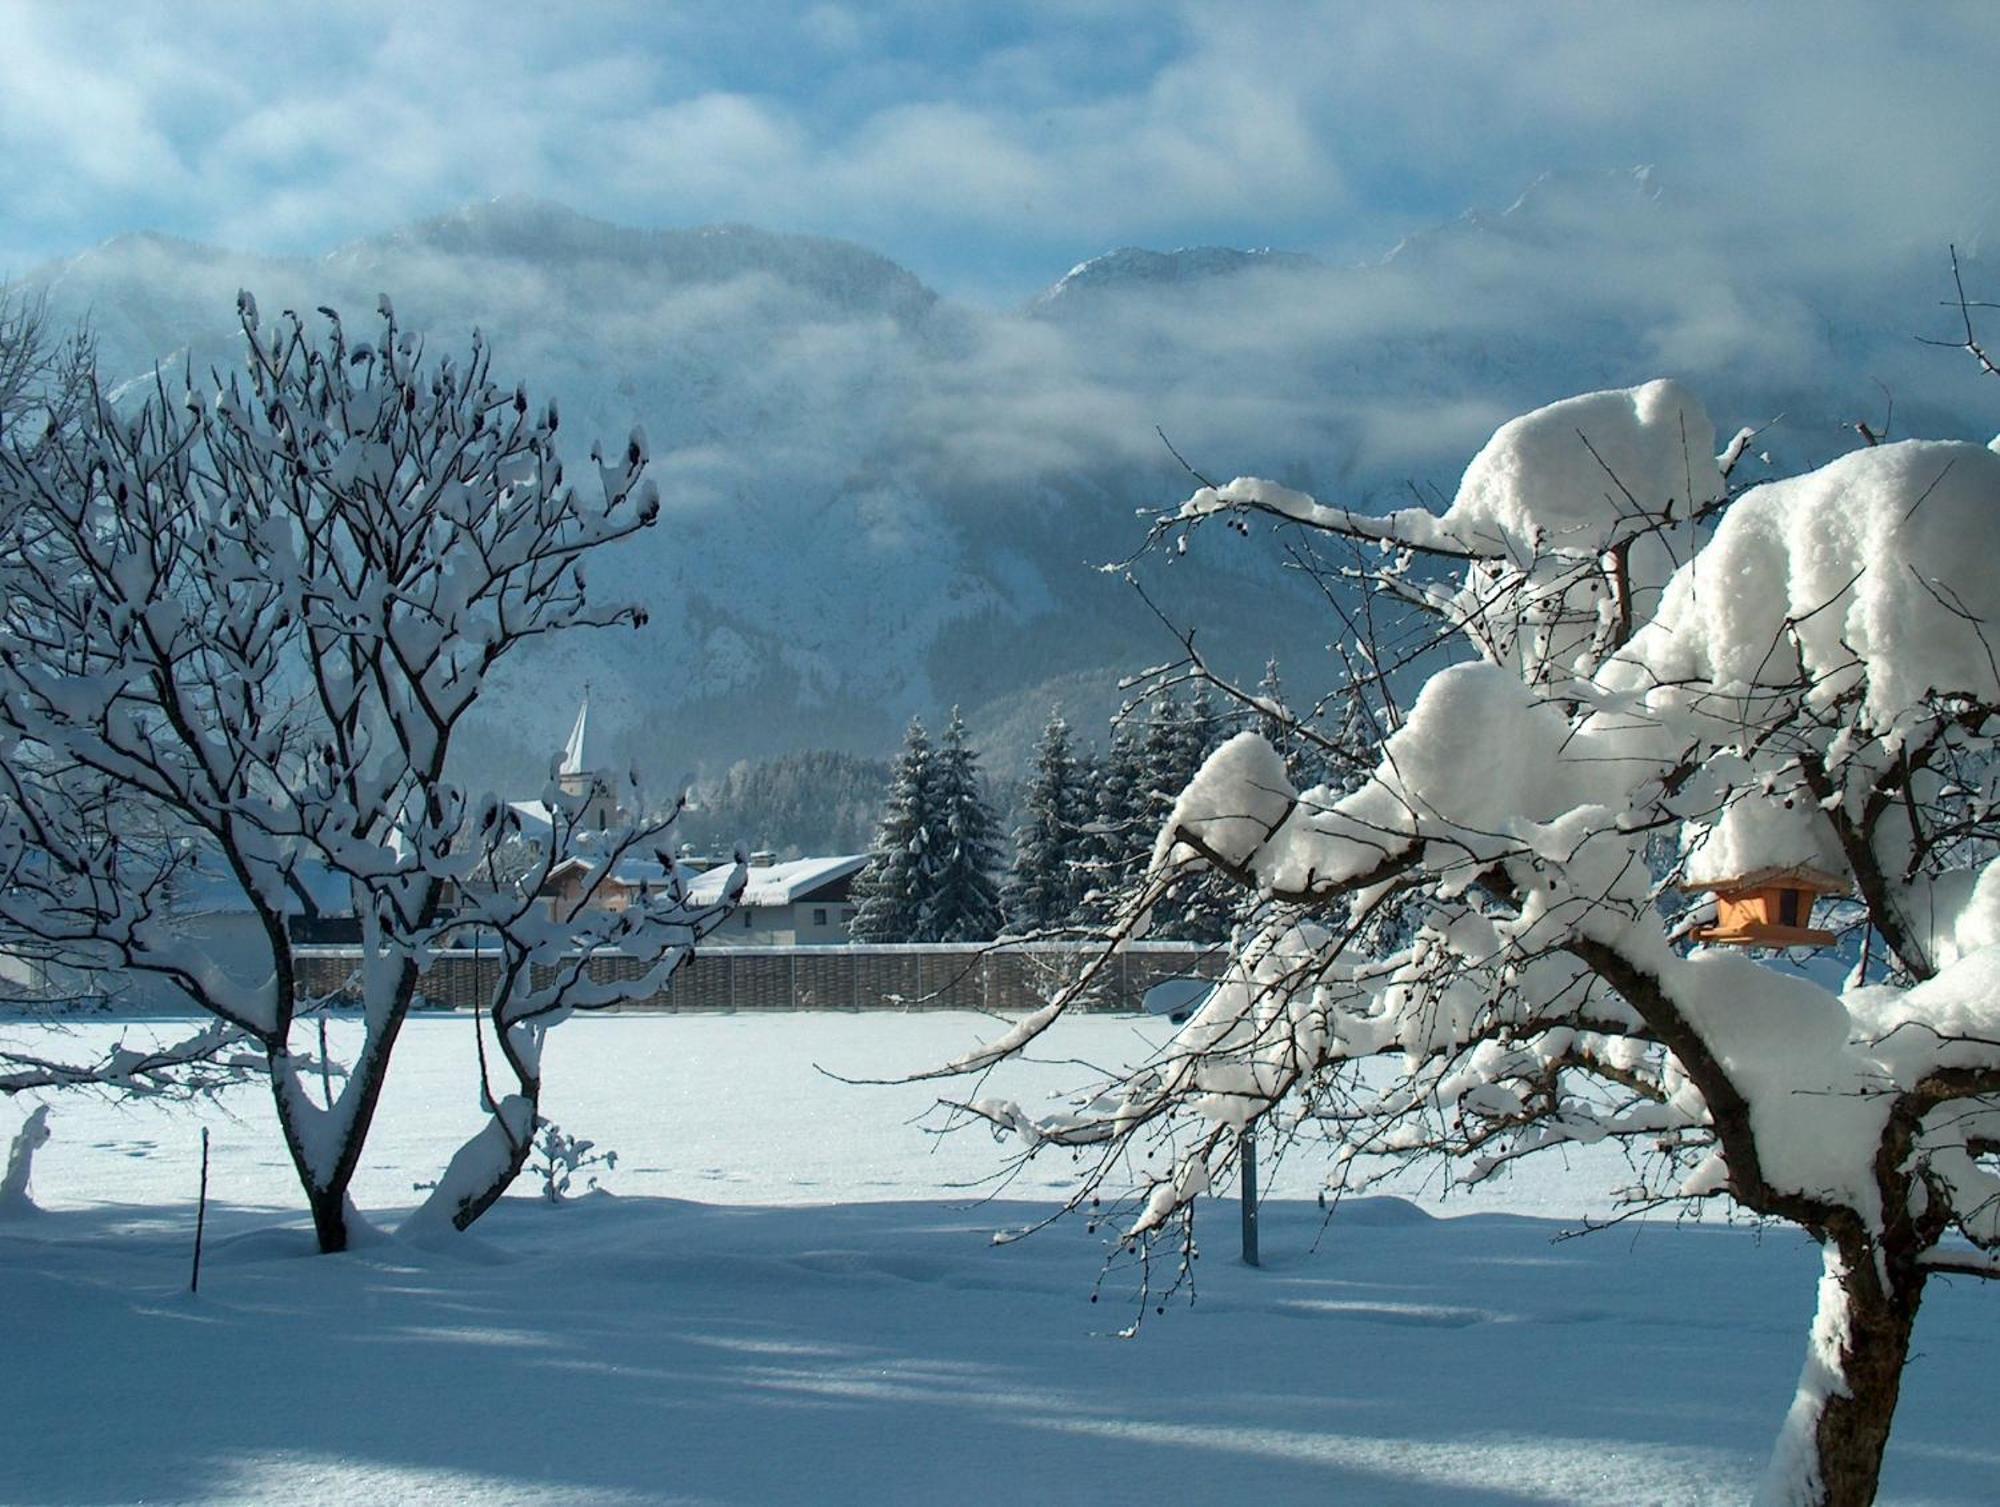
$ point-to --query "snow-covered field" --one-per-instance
(793, 1297)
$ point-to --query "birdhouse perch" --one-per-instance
(1770, 908)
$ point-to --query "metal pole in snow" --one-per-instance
(1177, 998)
(1247, 1192)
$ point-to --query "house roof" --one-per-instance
(209, 888)
(780, 883)
(765, 884)
(537, 821)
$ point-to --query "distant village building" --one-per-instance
(805, 902)
(207, 907)
(578, 776)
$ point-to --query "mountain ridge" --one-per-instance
(880, 501)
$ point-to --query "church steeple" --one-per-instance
(579, 775)
(576, 771)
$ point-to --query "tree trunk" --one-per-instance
(329, 1212)
(483, 1168)
(326, 1185)
(1829, 1453)
(509, 1120)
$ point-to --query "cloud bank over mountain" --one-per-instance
(880, 501)
(984, 145)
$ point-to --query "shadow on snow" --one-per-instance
(650, 1350)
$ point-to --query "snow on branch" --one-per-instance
(204, 1061)
(1671, 688)
(243, 619)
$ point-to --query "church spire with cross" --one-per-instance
(581, 775)
(576, 768)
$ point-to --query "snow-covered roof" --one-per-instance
(536, 818)
(780, 883)
(210, 889)
(766, 884)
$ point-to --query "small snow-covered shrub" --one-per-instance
(558, 1157)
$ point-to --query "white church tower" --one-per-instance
(581, 775)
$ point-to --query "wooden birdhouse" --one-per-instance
(1770, 908)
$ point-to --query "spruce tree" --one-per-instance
(1308, 763)
(1357, 748)
(1170, 757)
(1116, 839)
(1274, 720)
(1161, 779)
(1157, 794)
(1045, 883)
(962, 903)
(891, 892)
(1083, 820)
(1204, 907)
(1201, 731)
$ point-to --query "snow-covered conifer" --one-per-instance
(1274, 721)
(1045, 884)
(890, 893)
(1179, 734)
(1117, 836)
(1357, 748)
(962, 903)
(1166, 765)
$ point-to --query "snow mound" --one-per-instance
(1851, 577)
(1570, 477)
(1755, 835)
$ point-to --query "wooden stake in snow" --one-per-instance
(200, 1215)
(1247, 1193)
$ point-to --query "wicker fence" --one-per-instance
(940, 977)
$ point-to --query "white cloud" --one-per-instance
(993, 144)
(834, 28)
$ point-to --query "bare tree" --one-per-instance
(586, 951)
(242, 624)
(1673, 687)
(44, 376)
(45, 383)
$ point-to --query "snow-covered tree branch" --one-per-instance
(548, 968)
(243, 621)
(1673, 687)
(202, 1061)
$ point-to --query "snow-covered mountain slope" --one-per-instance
(1131, 266)
(880, 502)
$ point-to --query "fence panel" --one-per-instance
(965, 977)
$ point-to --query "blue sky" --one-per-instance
(989, 147)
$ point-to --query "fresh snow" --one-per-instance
(1839, 602)
(1796, 677)
(1792, 582)
(792, 1296)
